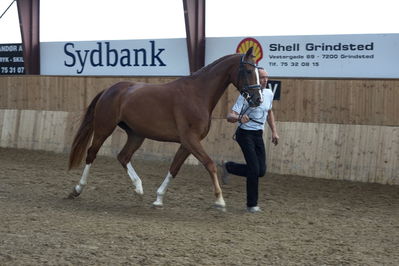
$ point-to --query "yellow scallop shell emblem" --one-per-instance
(247, 43)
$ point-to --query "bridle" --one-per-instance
(245, 90)
(243, 72)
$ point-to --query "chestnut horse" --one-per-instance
(179, 111)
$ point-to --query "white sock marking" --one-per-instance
(135, 179)
(83, 180)
(162, 190)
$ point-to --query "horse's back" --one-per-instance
(120, 91)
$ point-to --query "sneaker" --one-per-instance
(254, 209)
(225, 174)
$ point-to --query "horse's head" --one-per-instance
(248, 83)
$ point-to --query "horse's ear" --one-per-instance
(249, 52)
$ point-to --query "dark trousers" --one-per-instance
(253, 148)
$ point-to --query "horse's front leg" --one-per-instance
(180, 156)
(193, 144)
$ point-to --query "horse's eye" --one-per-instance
(249, 71)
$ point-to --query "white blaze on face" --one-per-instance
(257, 76)
(258, 83)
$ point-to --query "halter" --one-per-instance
(242, 71)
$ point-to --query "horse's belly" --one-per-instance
(159, 134)
(159, 129)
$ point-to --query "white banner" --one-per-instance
(158, 57)
(329, 56)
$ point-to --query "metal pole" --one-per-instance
(28, 12)
(194, 15)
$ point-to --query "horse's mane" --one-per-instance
(210, 66)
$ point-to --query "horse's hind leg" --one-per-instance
(132, 144)
(180, 156)
(98, 140)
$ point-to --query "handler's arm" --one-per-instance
(272, 125)
(233, 117)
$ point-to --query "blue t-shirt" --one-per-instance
(255, 113)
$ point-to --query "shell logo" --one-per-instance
(245, 44)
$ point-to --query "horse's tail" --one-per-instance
(83, 136)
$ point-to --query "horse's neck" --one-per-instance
(213, 83)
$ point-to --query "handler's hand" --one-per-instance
(244, 119)
(275, 138)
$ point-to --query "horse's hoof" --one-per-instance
(157, 204)
(74, 194)
(220, 202)
(139, 188)
(219, 207)
(139, 191)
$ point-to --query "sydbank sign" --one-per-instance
(157, 57)
(328, 56)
